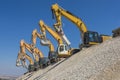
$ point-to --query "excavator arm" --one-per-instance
(24, 46)
(55, 35)
(38, 52)
(35, 34)
(21, 60)
(58, 11)
(43, 40)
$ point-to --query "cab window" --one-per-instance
(61, 48)
(93, 37)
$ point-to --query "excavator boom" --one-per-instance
(44, 27)
(43, 40)
(24, 46)
(58, 11)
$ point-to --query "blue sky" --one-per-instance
(18, 18)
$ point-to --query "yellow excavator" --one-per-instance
(88, 37)
(40, 60)
(116, 32)
(21, 61)
(45, 42)
(62, 50)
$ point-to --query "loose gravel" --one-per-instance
(99, 62)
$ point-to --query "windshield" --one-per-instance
(61, 48)
(93, 37)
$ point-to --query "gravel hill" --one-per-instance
(99, 62)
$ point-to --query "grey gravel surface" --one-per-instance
(99, 62)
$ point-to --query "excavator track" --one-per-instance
(30, 75)
(55, 65)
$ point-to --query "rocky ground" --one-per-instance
(99, 62)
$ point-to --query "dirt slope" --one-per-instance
(100, 62)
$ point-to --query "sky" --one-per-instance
(18, 18)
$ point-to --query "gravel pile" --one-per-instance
(99, 62)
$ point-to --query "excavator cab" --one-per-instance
(116, 32)
(62, 50)
(65, 51)
(91, 38)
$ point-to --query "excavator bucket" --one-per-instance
(44, 42)
(18, 63)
